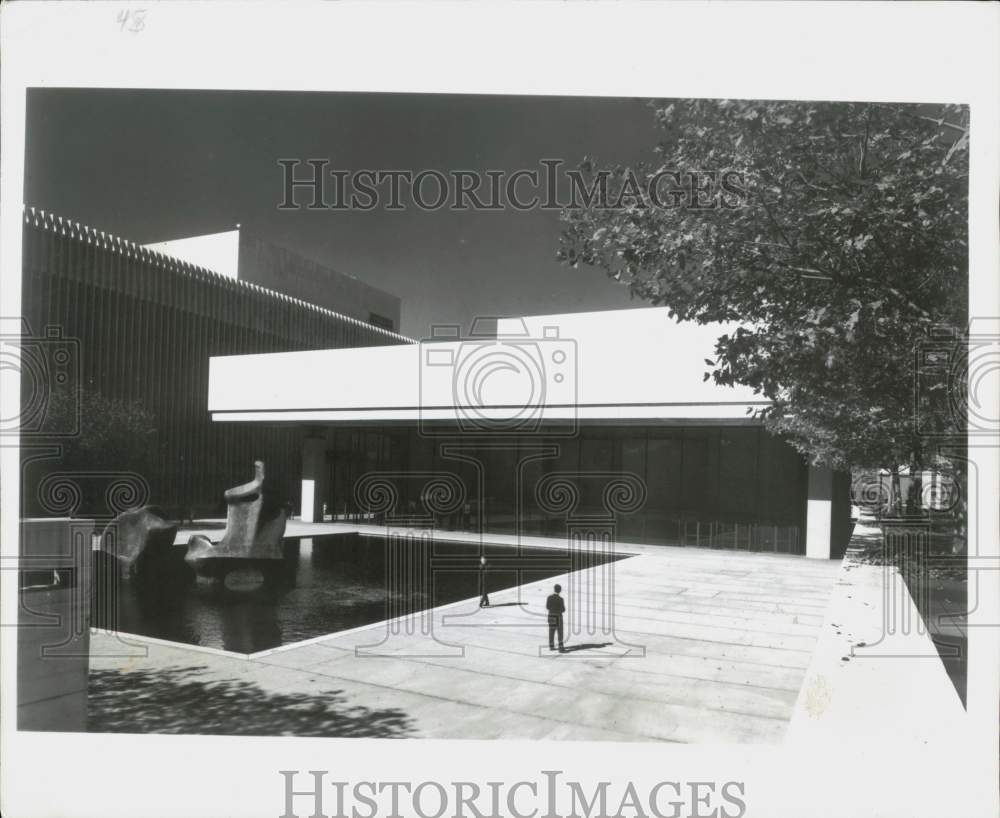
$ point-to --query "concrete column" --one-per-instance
(313, 478)
(819, 513)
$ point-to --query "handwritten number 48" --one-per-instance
(133, 19)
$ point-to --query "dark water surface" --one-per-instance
(324, 584)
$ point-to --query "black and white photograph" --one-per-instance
(628, 448)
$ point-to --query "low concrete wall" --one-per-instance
(876, 676)
(53, 637)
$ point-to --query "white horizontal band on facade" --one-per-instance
(617, 364)
(679, 413)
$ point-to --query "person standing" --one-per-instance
(484, 599)
(556, 608)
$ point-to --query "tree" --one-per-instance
(115, 437)
(835, 235)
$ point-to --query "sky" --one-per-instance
(158, 165)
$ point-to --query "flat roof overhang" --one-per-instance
(623, 366)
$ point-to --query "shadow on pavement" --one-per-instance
(171, 701)
(585, 646)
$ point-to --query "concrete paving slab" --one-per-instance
(727, 638)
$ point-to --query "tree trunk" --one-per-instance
(895, 493)
(961, 507)
(914, 492)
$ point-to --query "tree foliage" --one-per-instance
(114, 437)
(114, 434)
(846, 247)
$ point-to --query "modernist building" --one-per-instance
(236, 371)
(127, 322)
(241, 255)
(521, 418)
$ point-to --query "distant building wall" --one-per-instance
(144, 326)
(278, 268)
(240, 254)
(218, 252)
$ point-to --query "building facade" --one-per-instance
(508, 418)
(109, 317)
(497, 432)
(704, 485)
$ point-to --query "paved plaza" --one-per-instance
(709, 646)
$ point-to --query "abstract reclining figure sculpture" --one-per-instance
(252, 538)
(141, 542)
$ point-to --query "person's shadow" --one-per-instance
(586, 646)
